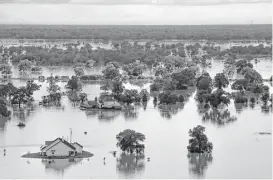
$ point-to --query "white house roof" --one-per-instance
(60, 140)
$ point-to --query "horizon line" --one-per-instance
(141, 2)
(12, 24)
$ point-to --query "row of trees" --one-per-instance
(200, 32)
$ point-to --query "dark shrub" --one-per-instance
(181, 98)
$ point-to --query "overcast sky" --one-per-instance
(130, 12)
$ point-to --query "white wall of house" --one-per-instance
(78, 148)
(59, 149)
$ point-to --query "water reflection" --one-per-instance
(220, 117)
(198, 163)
(58, 166)
(167, 111)
(266, 109)
(239, 107)
(110, 115)
(130, 114)
(107, 115)
(129, 165)
(3, 121)
(24, 113)
(102, 115)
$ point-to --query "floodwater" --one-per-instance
(238, 151)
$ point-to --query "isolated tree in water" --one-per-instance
(199, 142)
(128, 141)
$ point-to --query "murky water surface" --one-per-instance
(239, 152)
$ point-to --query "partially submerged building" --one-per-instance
(61, 147)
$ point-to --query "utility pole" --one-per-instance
(70, 135)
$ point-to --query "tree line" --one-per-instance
(188, 32)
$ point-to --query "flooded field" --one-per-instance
(238, 152)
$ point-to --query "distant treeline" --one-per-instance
(185, 32)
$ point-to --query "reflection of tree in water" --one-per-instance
(91, 113)
(144, 104)
(54, 105)
(202, 108)
(3, 121)
(198, 163)
(266, 109)
(219, 117)
(130, 114)
(108, 115)
(239, 107)
(58, 166)
(25, 112)
(167, 111)
(130, 164)
(103, 115)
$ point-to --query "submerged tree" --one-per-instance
(79, 71)
(220, 81)
(135, 68)
(54, 91)
(4, 112)
(31, 87)
(204, 82)
(25, 65)
(199, 142)
(219, 96)
(129, 96)
(117, 89)
(144, 94)
(90, 64)
(129, 141)
(219, 117)
(7, 90)
(5, 69)
(110, 71)
(24, 94)
(253, 76)
(74, 84)
(242, 64)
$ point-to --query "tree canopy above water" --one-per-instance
(199, 142)
(129, 141)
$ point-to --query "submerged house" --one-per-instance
(108, 101)
(61, 147)
(104, 102)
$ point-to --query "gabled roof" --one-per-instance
(61, 140)
(107, 98)
(78, 144)
(48, 143)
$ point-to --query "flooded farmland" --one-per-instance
(239, 150)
